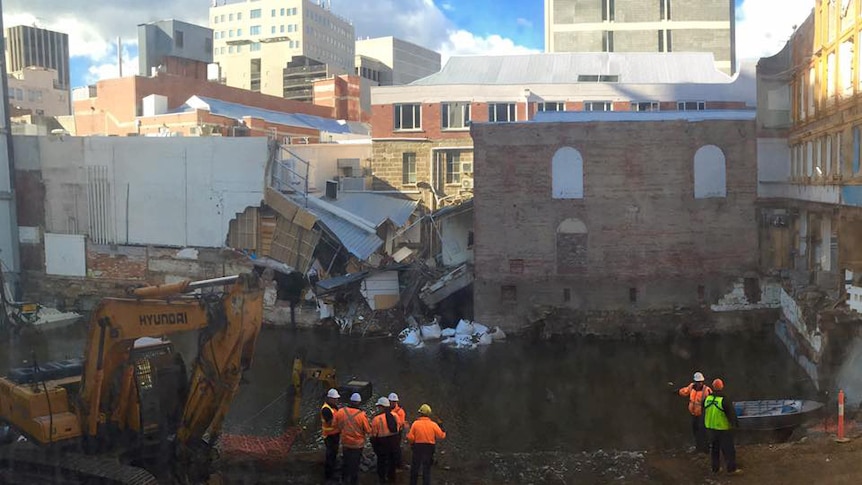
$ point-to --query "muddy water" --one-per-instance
(566, 395)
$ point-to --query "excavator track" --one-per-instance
(27, 465)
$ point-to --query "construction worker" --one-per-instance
(354, 428)
(696, 392)
(330, 431)
(399, 413)
(720, 419)
(423, 436)
(384, 440)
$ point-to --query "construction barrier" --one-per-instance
(258, 448)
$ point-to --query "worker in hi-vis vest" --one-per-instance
(696, 392)
(719, 416)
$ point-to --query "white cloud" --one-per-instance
(462, 42)
(524, 22)
(763, 28)
(447, 7)
(108, 67)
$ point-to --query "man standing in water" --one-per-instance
(331, 434)
(696, 392)
(720, 419)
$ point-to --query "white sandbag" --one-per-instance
(412, 338)
(497, 334)
(403, 334)
(479, 329)
(463, 341)
(448, 332)
(448, 341)
(485, 339)
(464, 328)
(431, 332)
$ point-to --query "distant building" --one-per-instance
(398, 61)
(643, 26)
(37, 91)
(174, 47)
(421, 131)
(28, 46)
(254, 41)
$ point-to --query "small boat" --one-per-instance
(774, 414)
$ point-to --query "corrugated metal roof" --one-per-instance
(239, 111)
(356, 240)
(587, 116)
(376, 208)
(564, 68)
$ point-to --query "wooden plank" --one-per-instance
(385, 302)
(281, 204)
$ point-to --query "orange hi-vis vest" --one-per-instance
(330, 428)
(400, 415)
(695, 398)
(425, 431)
(354, 427)
(379, 427)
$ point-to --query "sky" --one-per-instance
(452, 27)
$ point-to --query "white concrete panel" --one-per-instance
(29, 235)
(380, 284)
(710, 174)
(567, 173)
(773, 160)
(65, 255)
(826, 194)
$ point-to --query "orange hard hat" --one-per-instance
(718, 384)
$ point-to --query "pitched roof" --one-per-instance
(240, 111)
(568, 68)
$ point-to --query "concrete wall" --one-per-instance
(455, 232)
(158, 39)
(323, 160)
(160, 191)
(37, 89)
(638, 234)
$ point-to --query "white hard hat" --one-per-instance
(355, 397)
(333, 394)
(698, 377)
(393, 397)
(383, 402)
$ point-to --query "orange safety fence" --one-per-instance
(258, 448)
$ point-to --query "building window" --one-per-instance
(230, 17)
(456, 116)
(598, 78)
(501, 112)
(215, 19)
(272, 29)
(453, 167)
(551, 106)
(282, 12)
(254, 47)
(608, 10)
(608, 41)
(408, 117)
(230, 49)
(830, 75)
(645, 106)
(254, 14)
(254, 30)
(598, 106)
(178, 39)
(293, 11)
(665, 9)
(239, 16)
(856, 148)
(408, 168)
(239, 32)
(567, 174)
(273, 12)
(230, 33)
(691, 105)
(221, 18)
(845, 60)
(709, 173)
(572, 244)
(281, 29)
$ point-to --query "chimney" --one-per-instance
(120, 55)
(331, 189)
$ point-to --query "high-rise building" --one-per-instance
(255, 40)
(398, 61)
(174, 47)
(643, 26)
(28, 46)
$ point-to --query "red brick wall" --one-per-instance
(645, 229)
(383, 124)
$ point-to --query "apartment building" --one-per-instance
(31, 46)
(37, 91)
(174, 47)
(643, 26)
(255, 40)
(421, 131)
(390, 61)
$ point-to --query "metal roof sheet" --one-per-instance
(564, 68)
(239, 111)
(376, 208)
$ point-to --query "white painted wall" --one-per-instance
(455, 232)
(826, 194)
(65, 255)
(324, 157)
(567, 174)
(380, 284)
(773, 160)
(163, 191)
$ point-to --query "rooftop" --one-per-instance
(567, 68)
(240, 111)
(592, 116)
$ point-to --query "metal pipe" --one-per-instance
(160, 291)
(224, 280)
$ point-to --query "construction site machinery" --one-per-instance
(309, 372)
(126, 413)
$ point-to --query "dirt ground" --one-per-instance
(814, 458)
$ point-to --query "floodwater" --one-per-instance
(516, 396)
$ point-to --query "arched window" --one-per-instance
(567, 173)
(710, 177)
(571, 246)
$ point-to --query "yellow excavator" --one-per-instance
(126, 413)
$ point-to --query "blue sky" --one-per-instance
(453, 27)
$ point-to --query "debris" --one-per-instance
(410, 337)
(465, 327)
(485, 339)
(431, 332)
(497, 334)
(448, 332)
(479, 329)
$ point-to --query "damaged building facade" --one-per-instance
(586, 214)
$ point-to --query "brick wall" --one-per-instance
(647, 238)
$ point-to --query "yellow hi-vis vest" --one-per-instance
(713, 415)
(330, 428)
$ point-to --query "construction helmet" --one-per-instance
(333, 394)
(383, 402)
(425, 410)
(718, 384)
(698, 377)
(355, 397)
(393, 397)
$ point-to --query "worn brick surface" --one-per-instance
(647, 234)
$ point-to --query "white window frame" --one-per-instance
(255, 13)
(254, 30)
(448, 115)
(400, 116)
(556, 105)
(683, 105)
(653, 106)
(511, 112)
(591, 105)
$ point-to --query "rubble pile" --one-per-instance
(466, 335)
